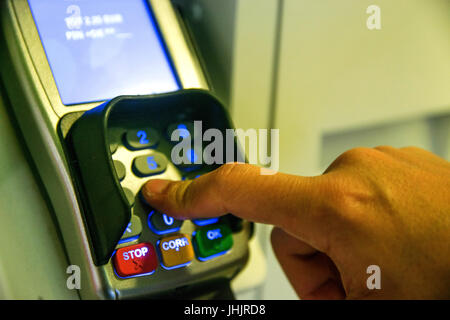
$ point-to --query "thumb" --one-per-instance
(290, 202)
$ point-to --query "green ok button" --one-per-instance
(213, 241)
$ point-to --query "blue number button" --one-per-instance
(178, 131)
(161, 223)
(155, 163)
(141, 139)
(189, 160)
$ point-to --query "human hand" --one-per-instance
(383, 206)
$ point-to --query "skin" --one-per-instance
(383, 206)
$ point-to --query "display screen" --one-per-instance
(101, 49)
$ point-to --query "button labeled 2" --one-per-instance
(141, 138)
(136, 260)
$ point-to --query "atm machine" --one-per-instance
(99, 89)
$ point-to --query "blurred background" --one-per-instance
(310, 68)
(314, 70)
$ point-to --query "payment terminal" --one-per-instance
(103, 91)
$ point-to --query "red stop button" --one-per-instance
(138, 259)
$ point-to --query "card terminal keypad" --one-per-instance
(142, 154)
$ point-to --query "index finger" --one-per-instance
(290, 202)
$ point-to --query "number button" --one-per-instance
(184, 130)
(151, 163)
(161, 223)
(155, 163)
(188, 161)
(141, 139)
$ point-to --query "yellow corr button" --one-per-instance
(176, 251)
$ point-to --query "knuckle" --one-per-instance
(228, 169)
(384, 148)
(355, 154)
(351, 157)
(228, 173)
(414, 150)
(356, 157)
(225, 177)
(350, 197)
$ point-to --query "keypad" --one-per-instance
(162, 242)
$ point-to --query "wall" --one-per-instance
(26, 222)
(315, 71)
